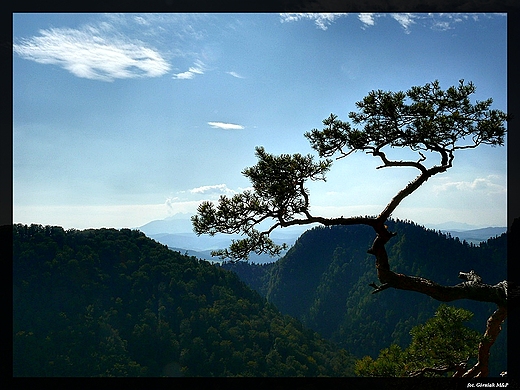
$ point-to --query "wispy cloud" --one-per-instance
(218, 188)
(197, 68)
(367, 19)
(487, 184)
(322, 20)
(175, 205)
(405, 20)
(225, 126)
(445, 21)
(235, 74)
(88, 53)
(440, 21)
(142, 21)
(187, 201)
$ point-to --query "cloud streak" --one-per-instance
(225, 126)
(440, 21)
(196, 69)
(218, 188)
(367, 19)
(189, 200)
(175, 205)
(478, 184)
(235, 74)
(321, 20)
(405, 20)
(86, 53)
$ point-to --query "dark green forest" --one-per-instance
(324, 280)
(112, 302)
(116, 303)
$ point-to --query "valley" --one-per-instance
(106, 302)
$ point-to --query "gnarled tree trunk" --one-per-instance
(472, 288)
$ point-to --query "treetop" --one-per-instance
(424, 119)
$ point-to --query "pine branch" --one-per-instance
(459, 370)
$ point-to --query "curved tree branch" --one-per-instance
(471, 289)
(493, 328)
(458, 368)
(433, 120)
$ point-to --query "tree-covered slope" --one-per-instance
(324, 281)
(115, 303)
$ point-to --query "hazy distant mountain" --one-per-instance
(177, 233)
(206, 255)
(179, 223)
(452, 226)
(192, 241)
(471, 233)
(477, 235)
(202, 246)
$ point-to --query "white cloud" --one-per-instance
(479, 184)
(225, 126)
(366, 18)
(441, 21)
(235, 74)
(442, 26)
(87, 53)
(184, 75)
(435, 21)
(405, 20)
(187, 202)
(176, 205)
(218, 188)
(447, 21)
(197, 68)
(322, 20)
(140, 20)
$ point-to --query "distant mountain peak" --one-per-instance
(173, 224)
(453, 226)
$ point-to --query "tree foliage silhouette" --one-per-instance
(427, 120)
(442, 345)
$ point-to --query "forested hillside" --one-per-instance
(115, 303)
(324, 281)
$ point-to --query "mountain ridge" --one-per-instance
(177, 232)
(476, 236)
(324, 280)
(107, 302)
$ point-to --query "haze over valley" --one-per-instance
(177, 233)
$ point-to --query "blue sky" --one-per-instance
(120, 119)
